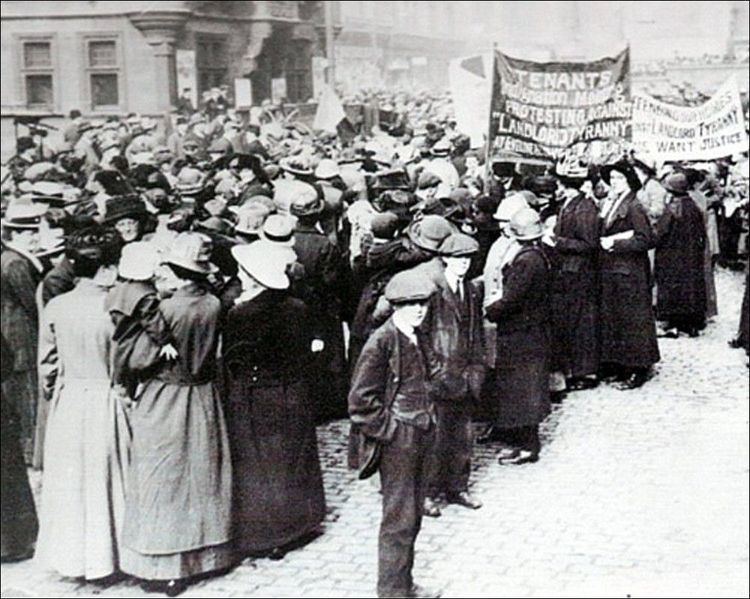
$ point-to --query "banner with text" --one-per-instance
(711, 130)
(542, 109)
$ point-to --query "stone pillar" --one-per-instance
(161, 29)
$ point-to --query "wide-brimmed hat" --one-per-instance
(23, 215)
(626, 169)
(268, 268)
(54, 194)
(526, 225)
(307, 204)
(430, 231)
(441, 148)
(191, 251)
(138, 261)
(97, 243)
(125, 206)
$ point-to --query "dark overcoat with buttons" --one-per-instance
(278, 487)
(627, 327)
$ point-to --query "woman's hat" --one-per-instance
(526, 225)
(138, 261)
(429, 232)
(126, 206)
(509, 206)
(95, 242)
(192, 252)
(268, 268)
(20, 215)
(676, 183)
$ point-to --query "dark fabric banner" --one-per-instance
(541, 110)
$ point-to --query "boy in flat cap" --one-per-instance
(389, 401)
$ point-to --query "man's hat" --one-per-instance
(190, 181)
(509, 206)
(250, 219)
(20, 215)
(191, 251)
(327, 169)
(458, 245)
(279, 230)
(408, 287)
(429, 232)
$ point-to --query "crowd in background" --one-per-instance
(183, 302)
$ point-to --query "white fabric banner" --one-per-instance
(711, 130)
(471, 90)
(330, 111)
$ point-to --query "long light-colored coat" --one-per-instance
(86, 444)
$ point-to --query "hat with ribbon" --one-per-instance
(23, 215)
(278, 229)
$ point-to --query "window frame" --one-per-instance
(20, 41)
(117, 69)
(201, 68)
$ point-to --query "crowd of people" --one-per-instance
(182, 305)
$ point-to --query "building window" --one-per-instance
(38, 74)
(103, 71)
(212, 61)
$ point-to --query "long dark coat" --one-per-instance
(19, 323)
(178, 502)
(627, 327)
(679, 264)
(523, 340)
(278, 486)
(19, 521)
(575, 289)
(319, 290)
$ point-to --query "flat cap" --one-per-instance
(409, 286)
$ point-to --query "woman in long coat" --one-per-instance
(177, 518)
(680, 252)
(87, 436)
(278, 486)
(20, 273)
(19, 522)
(627, 327)
(575, 288)
(523, 341)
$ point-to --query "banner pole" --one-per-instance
(488, 149)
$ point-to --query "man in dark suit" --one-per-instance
(454, 327)
(390, 402)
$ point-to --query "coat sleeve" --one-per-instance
(518, 280)
(49, 364)
(152, 321)
(587, 233)
(367, 393)
(663, 227)
(642, 239)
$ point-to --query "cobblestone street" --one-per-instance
(637, 493)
